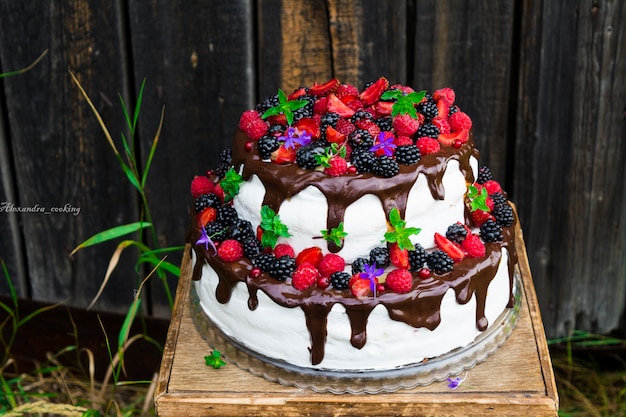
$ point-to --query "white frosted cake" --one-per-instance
(352, 230)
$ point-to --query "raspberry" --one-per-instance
(304, 276)
(201, 185)
(331, 263)
(447, 94)
(284, 249)
(252, 125)
(230, 251)
(473, 246)
(399, 280)
(428, 145)
(338, 166)
(459, 121)
(405, 125)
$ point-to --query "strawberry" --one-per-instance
(309, 125)
(445, 94)
(325, 89)
(459, 121)
(492, 187)
(428, 145)
(338, 166)
(230, 250)
(372, 93)
(360, 287)
(449, 247)
(473, 246)
(312, 255)
(331, 263)
(405, 125)
(337, 106)
(201, 185)
(399, 257)
(304, 276)
(448, 139)
(283, 155)
(333, 136)
(399, 280)
(284, 249)
(207, 215)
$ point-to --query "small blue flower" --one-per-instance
(204, 238)
(371, 273)
(385, 142)
(295, 137)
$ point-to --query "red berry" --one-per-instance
(473, 246)
(405, 125)
(283, 249)
(428, 145)
(201, 185)
(399, 280)
(304, 276)
(230, 251)
(338, 166)
(331, 263)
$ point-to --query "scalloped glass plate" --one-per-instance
(371, 382)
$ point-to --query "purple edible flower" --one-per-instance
(295, 137)
(385, 142)
(204, 238)
(371, 273)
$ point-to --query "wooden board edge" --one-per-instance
(535, 318)
(169, 349)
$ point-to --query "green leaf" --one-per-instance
(214, 360)
(111, 234)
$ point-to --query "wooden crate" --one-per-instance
(517, 380)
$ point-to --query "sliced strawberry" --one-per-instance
(298, 93)
(309, 125)
(283, 155)
(324, 89)
(312, 255)
(449, 247)
(447, 139)
(333, 136)
(372, 93)
(399, 257)
(337, 106)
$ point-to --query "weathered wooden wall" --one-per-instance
(543, 82)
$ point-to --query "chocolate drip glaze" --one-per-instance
(420, 307)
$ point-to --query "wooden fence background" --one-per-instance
(544, 82)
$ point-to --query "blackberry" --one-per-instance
(305, 155)
(340, 280)
(484, 175)
(385, 124)
(439, 262)
(227, 214)
(380, 257)
(240, 230)
(305, 111)
(266, 145)
(361, 115)
(385, 166)
(282, 268)
(329, 119)
(207, 200)
(268, 103)
(456, 233)
(427, 129)
(361, 138)
(358, 265)
(263, 261)
(498, 199)
(504, 214)
(363, 160)
(408, 154)
(417, 257)
(491, 231)
(216, 230)
(251, 246)
(428, 108)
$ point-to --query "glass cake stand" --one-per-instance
(370, 382)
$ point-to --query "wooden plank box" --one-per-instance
(517, 380)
